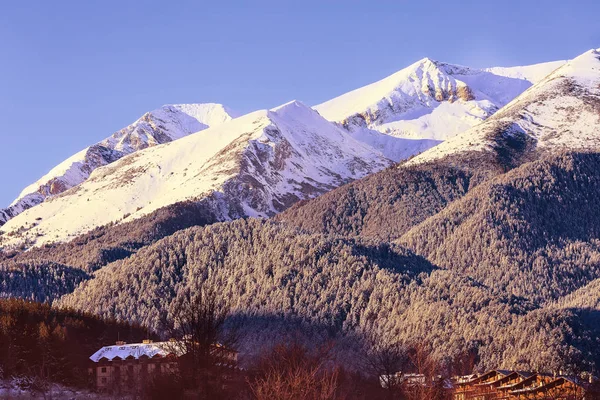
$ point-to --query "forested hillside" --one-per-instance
(261, 267)
(587, 297)
(498, 251)
(384, 205)
(497, 258)
(38, 280)
(53, 345)
(272, 276)
(532, 232)
(387, 204)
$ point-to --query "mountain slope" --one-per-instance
(562, 111)
(426, 103)
(386, 205)
(431, 99)
(255, 165)
(108, 243)
(163, 125)
(412, 111)
(281, 283)
(533, 232)
(274, 276)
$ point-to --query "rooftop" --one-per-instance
(137, 350)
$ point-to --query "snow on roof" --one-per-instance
(137, 350)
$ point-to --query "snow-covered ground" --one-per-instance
(23, 388)
(532, 73)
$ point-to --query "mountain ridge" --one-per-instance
(172, 122)
(426, 79)
(255, 165)
(165, 124)
(559, 111)
(404, 104)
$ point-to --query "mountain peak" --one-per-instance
(294, 110)
(414, 93)
(583, 67)
(165, 124)
(290, 105)
(560, 112)
(208, 114)
(426, 61)
(431, 100)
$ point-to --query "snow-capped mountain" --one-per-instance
(394, 119)
(163, 125)
(427, 103)
(561, 112)
(255, 165)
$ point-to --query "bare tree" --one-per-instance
(386, 362)
(426, 384)
(290, 372)
(197, 324)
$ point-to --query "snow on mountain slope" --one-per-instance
(163, 125)
(255, 165)
(532, 73)
(429, 100)
(394, 148)
(561, 112)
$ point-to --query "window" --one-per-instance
(103, 369)
(103, 380)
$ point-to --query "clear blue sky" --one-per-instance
(73, 72)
